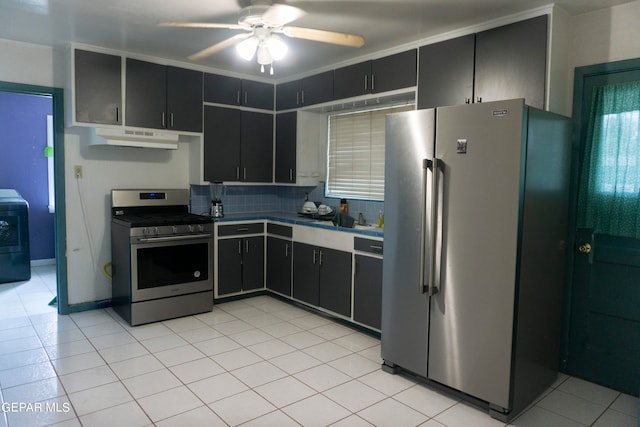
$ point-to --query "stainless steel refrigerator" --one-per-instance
(476, 200)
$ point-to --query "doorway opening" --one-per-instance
(54, 96)
(602, 332)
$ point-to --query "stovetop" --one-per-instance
(154, 219)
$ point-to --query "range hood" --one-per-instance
(134, 138)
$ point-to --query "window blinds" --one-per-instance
(355, 166)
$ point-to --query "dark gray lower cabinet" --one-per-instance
(240, 264)
(322, 277)
(279, 265)
(367, 290)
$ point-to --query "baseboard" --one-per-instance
(42, 262)
(90, 305)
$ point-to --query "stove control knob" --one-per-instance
(190, 228)
(145, 231)
(156, 230)
(174, 229)
(200, 227)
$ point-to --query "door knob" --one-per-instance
(584, 248)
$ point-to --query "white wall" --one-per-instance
(88, 202)
(104, 168)
(606, 35)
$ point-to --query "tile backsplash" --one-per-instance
(276, 198)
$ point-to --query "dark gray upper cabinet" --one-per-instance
(380, 75)
(256, 148)
(501, 63)
(221, 144)
(511, 62)
(184, 99)
(317, 88)
(394, 71)
(257, 94)
(288, 95)
(307, 91)
(234, 91)
(238, 145)
(446, 72)
(98, 87)
(286, 138)
(162, 97)
(222, 89)
(146, 94)
(352, 80)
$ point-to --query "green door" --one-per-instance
(604, 327)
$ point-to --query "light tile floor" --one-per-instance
(255, 362)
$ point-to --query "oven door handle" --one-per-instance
(173, 238)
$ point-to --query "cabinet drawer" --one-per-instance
(280, 230)
(368, 245)
(240, 229)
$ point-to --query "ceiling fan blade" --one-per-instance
(325, 36)
(201, 25)
(281, 14)
(219, 46)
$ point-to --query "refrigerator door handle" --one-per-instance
(422, 284)
(435, 220)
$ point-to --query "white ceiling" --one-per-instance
(131, 25)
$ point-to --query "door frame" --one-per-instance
(60, 228)
(580, 123)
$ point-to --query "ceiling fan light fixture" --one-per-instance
(247, 48)
(277, 48)
(263, 55)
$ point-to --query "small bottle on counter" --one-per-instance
(380, 219)
(343, 206)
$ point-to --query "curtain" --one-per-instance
(609, 194)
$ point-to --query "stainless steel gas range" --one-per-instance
(162, 256)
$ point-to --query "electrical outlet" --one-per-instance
(77, 171)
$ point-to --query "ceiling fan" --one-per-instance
(263, 21)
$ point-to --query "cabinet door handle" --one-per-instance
(246, 98)
(320, 260)
(171, 121)
(314, 257)
(376, 248)
(246, 246)
(302, 97)
(164, 121)
(238, 173)
(117, 115)
(239, 247)
(238, 97)
(244, 173)
(290, 174)
(366, 81)
(286, 251)
(467, 100)
(297, 98)
(373, 82)
(242, 229)
(479, 99)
